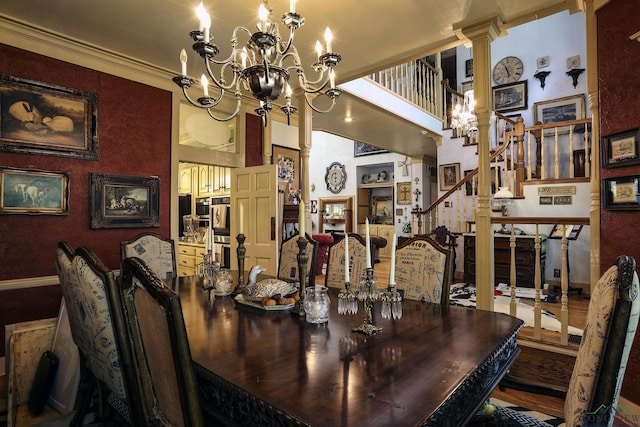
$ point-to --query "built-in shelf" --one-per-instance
(377, 185)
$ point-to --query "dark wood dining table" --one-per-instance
(435, 366)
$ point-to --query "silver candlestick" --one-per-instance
(368, 294)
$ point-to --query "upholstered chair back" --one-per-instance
(288, 265)
(424, 270)
(159, 341)
(158, 252)
(97, 325)
(336, 261)
(612, 319)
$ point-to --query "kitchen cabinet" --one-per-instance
(213, 180)
(189, 256)
(185, 180)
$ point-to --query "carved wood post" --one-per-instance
(519, 130)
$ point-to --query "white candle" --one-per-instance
(392, 271)
(368, 249)
(240, 222)
(292, 6)
(205, 85)
(262, 14)
(332, 79)
(301, 215)
(212, 239)
(205, 21)
(346, 258)
(183, 61)
(318, 49)
(327, 38)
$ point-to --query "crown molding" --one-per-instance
(58, 46)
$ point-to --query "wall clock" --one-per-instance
(335, 177)
(508, 70)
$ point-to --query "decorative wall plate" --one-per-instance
(335, 177)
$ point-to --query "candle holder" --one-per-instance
(303, 260)
(391, 303)
(208, 270)
(368, 294)
(240, 251)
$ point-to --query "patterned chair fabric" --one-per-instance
(167, 382)
(97, 327)
(336, 261)
(610, 327)
(424, 270)
(288, 265)
(158, 252)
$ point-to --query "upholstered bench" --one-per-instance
(324, 240)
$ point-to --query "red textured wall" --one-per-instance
(134, 133)
(253, 148)
(619, 62)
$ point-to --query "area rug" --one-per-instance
(465, 295)
(514, 410)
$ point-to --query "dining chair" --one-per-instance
(166, 379)
(610, 326)
(158, 252)
(445, 238)
(288, 264)
(334, 276)
(97, 326)
(424, 270)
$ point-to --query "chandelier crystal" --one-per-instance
(463, 118)
(263, 65)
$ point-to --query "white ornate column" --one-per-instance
(305, 122)
(481, 34)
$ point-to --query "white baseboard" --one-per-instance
(29, 282)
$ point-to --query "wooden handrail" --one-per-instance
(459, 184)
(571, 220)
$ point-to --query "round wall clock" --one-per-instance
(508, 70)
(335, 177)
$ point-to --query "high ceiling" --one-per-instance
(370, 35)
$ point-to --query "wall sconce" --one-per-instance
(574, 73)
(542, 76)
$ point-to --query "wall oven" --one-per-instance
(215, 212)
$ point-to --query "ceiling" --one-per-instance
(370, 35)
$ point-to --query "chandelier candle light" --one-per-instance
(262, 66)
(463, 118)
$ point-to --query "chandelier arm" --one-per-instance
(199, 105)
(217, 82)
(232, 115)
(284, 49)
(317, 110)
(309, 87)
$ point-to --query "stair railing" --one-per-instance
(417, 82)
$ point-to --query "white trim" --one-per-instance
(29, 282)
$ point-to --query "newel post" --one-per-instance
(520, 170)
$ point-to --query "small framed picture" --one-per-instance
(119, 201)
(571, 232)
(621, 193)
(449, 176)
(510, 97)
(468, 68)
(33, 192)
(620, 149)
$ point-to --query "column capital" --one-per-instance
(490, 27)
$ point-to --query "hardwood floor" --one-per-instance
(558, 368)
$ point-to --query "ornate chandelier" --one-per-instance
(463, 118)
(262, 65)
